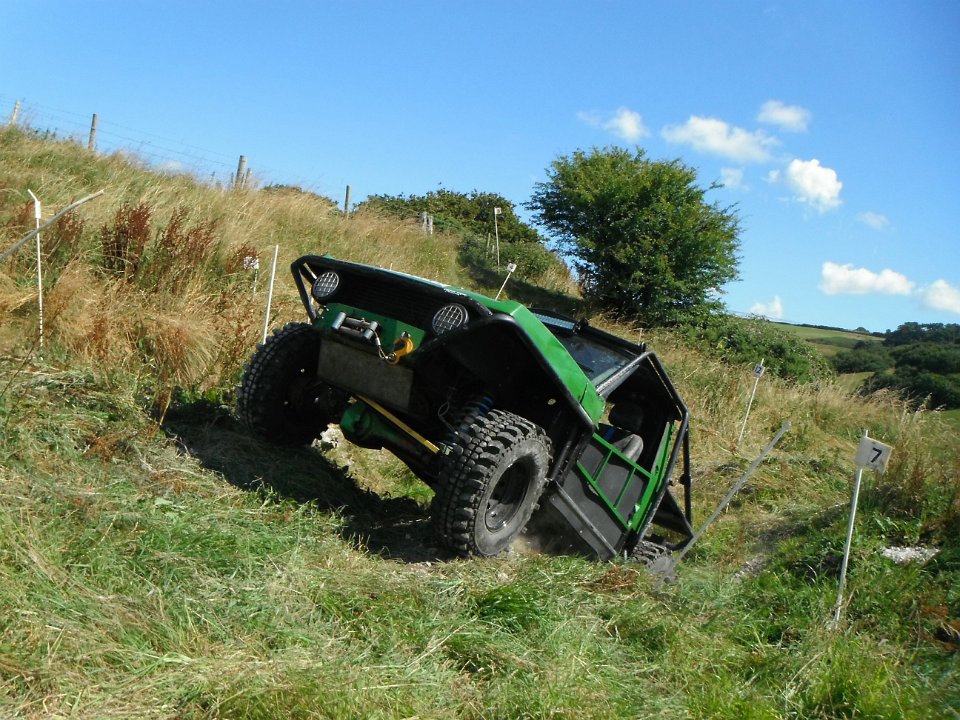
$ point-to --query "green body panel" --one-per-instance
(653, 479)
(553, 350)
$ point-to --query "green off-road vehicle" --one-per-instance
(519, 419)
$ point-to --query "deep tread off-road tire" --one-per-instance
(657, 559)
(280, 397)
(490, 482)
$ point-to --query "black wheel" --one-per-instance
(490, 482)
(657, 559)
(280, 396)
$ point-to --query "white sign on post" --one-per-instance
(758, 373)
(873, 455)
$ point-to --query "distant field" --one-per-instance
(829, 341)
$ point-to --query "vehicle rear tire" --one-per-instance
(656, 558)
(280, 397)
(490, 483)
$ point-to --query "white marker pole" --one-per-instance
(511, 267)
(36, 215)
(758, 372)
(273, 275)
(873, 455)
(496, 232)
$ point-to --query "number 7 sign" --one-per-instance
(873, 454)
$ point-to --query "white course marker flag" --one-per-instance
(872, 455)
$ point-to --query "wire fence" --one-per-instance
(162, 153)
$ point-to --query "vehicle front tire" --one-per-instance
(490, 483)
(280, 397)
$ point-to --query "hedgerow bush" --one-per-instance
(750, 340)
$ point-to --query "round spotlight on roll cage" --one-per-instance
(325, 286)
(449, 317)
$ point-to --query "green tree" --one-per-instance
(862, 357)
(912, 332)
(642, 238)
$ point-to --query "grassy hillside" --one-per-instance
(829, 340)
(952, 418)
(157, 561)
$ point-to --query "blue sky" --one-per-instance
(833, 125)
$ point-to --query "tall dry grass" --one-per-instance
(155, 277)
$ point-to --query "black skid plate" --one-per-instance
(362, 372)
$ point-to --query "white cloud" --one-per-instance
(814, 184)
(627, 124)
(772, 310)
(874, 220)
(715, 136)
(790, 118)
(624, 123)
(731, 177)
(848, 280)
(941, 296)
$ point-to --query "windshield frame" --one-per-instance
(601, 356)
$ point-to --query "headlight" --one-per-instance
(449, 317)
(325, 286)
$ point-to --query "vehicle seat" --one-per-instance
(628, 417)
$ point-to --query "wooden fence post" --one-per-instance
(14, 115)
(92, 141)
(241, 176)
(346, 203)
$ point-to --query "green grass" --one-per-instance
(196, 573)
(160, 562)
(953, 418)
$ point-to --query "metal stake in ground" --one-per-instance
(273, 275)
(496, 232)
(758, 371)
(511, 268)
(734, 490)
(874, 455)
(36, 215)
